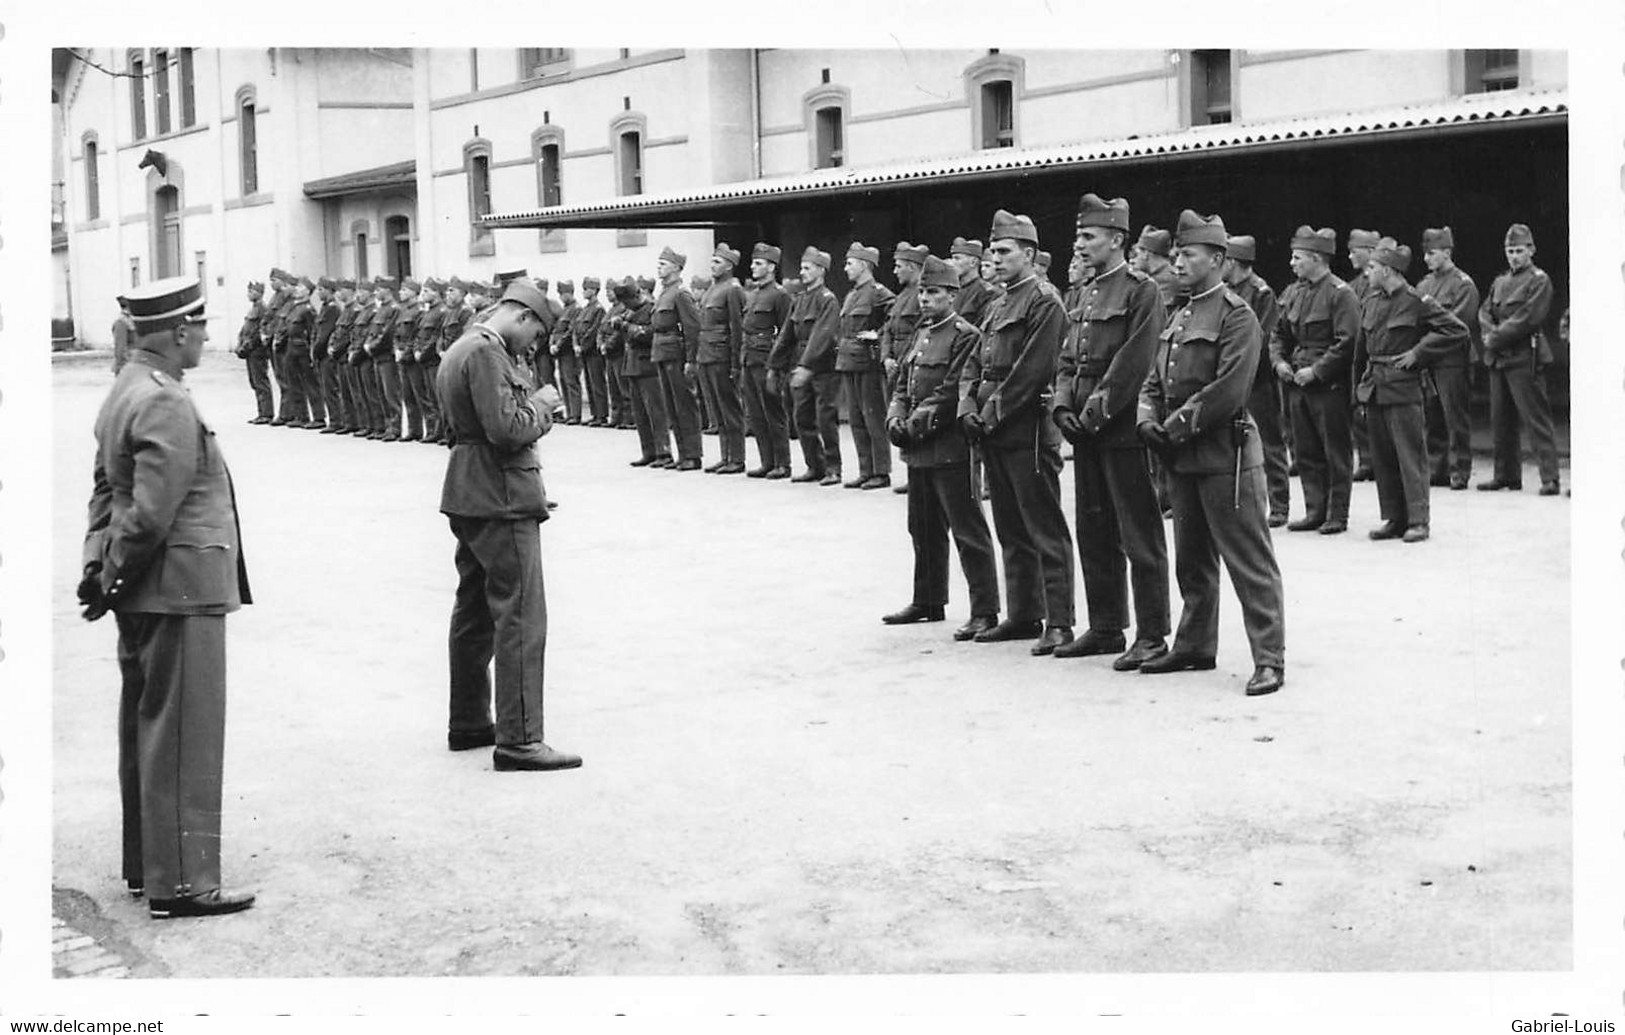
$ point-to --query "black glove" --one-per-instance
(1067, 421)
(90, 594)
(1155, 436)
(973, 427)
(897, 431)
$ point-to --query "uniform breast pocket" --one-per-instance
(1193, 365)
(198, 566)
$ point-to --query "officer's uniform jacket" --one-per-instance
(1199, 384)
(926, 398)
(1317, 327)
(971, 302)
(639, 334)
(1257, 293)
(426, 348)
(299, 327)
(1110, 341)
(405, 336)
(1514, 310)
(493, 471)
(767, 309)
(248, 338)
(809, 335)
(1456, 292)
(722, 332)
(381, 330)
(1007, 379)
(561, 340)
(163, 519)
(897, 336)
(584, 324)
(1391, 326)
(676, 325)
(327, 319)
(863, 313)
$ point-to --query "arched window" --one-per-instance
(627, 135)
(188, 88)
(248, 161)
(93, 178)
(547, 148)
(138, 94)
(826, 109)
(160, 89)
(358, 236)
(398, 246)
(993, 87)
(477, 170)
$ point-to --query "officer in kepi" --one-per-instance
(1193, 410)
(162, 553)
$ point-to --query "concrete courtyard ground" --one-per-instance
(775, 783)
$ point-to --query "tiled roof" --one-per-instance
(365, 181)
(1508, 107)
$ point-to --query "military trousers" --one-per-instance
(865, 394)
(567, 369)
(411, 396)
(259, 381)
(1359, 437)
(592, 364)
(171, 749)
(303, 367)
(725, 410)
(818, 421)
(1208, 527)
(649, 415)
(429, 398)
(293, 405)
(681, 408)
(619, 387)
(345, 412)
(277, 360)
(389, 393)
(1520, 392)
(1320, 428)
(1449, 423)
(765, 411)
(1024, 489)
(940, 503)
(360, 378)
(1120, 539)
(327, 374)
(499, 615)
(1265, 405)
(1399, 461)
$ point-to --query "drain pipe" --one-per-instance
(755, 114)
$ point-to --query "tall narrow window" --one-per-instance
(1210, 87)
(248, 141)
(398, 246)
(479, 186)
(93, 187)
(160, 90)
(167, 215)
(631, 162)
(188, 89)
(998, 114)
(1491, 70)
(552, 190)
(361, 256)
(138, 95)
(831, 138)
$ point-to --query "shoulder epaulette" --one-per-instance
(162, 379)
(1234, 300)
(963, 324)
(1140, 275)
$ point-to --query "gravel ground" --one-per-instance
(776, 783)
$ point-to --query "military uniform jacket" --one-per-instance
(1167, 287)
(338, 343)
(279, 327)
(268, 318)
(300, 326)
(863, 313)
(722, 313)
(327, 319)
(1110, 341)
(808, 336)
(927, 392)
(971, 302)
(562, 338)
(493, 471)
(1317, 327)
(1200, 381)
(589, 316)
(1391, 326)
(1456, 292)
(163, 519)
(452, 324)
(639, 333)
(767, 308)
(897, 336)
(676, 325)
(1360, 285)
(1007, 379)
(248, 338)
(426, 349)
(381, 331)
(405, 335)
(1257, 293)
(611, 334)
(1515, 309)
(361, 330)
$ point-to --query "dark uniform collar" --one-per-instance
(158, 361)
